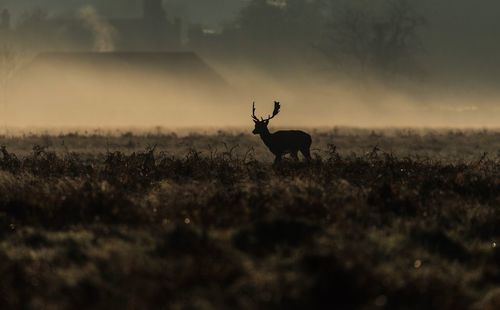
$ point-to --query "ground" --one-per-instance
(381, 219)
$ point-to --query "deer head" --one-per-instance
(261, 125)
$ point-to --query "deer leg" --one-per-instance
(295, 155)
(307, 154)
(277, 160)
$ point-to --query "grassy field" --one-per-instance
(385, 219)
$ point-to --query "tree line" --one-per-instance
(381, 36)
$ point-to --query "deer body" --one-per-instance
(282, 142)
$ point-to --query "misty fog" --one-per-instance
(245, 51)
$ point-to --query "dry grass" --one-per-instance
(106, 222)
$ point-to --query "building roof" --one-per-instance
(180, 66)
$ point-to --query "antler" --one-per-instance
(253, 113)
(277, 108)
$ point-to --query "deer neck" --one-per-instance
(266, 137)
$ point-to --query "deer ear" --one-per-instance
(266, 122)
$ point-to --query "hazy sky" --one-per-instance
(205, 11)
(457, 28)
(464, 30)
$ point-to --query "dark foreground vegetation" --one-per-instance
(223, 229)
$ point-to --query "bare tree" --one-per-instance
(387, 41)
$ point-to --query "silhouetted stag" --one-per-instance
(282, 142)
